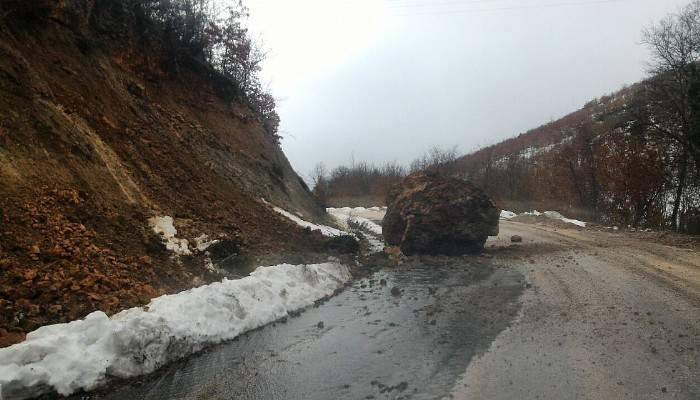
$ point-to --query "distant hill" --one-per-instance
(550, 136)
(596, 163)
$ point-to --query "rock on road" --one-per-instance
(566, 314)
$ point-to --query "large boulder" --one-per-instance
(431, 214)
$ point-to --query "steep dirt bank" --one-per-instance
(96, 137)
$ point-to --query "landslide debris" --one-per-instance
(432, 214)
(99, 134)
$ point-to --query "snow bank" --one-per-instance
(556, 215)
(549, 214)
(165, 228)
(84, 354)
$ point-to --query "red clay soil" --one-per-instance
(95, 138)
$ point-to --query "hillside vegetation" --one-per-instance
(600, 163)
(630, 158)
(112, 113)
(597, 163)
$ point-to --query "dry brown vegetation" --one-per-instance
(628, 158)
(365, 184)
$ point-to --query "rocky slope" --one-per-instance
(96, 137)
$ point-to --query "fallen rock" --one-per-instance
(516, 239)
(431, 214)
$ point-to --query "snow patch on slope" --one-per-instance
(84, 354)
(325, 230)
(202, 242)
(165, 228)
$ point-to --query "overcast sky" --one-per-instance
(383, 80)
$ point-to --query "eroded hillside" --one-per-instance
(96, 137)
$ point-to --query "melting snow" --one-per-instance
(372, 213)
(83, 354)
(361, 216)
(325, 230)
(556, 215)
(164, 227)
(364, 218)
(549, 214)
(202, 242)
(508, 214)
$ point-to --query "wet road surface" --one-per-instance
(567, 314)
(405, 333)
(607, 317)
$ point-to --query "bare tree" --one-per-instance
(438, 160)
(671, 103)
(318, 174)
(319, 180)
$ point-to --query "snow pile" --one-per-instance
(549, 214)
(165, 228)
(508, 214)
(360, 216)
(83, 354)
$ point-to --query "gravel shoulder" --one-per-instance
(607, 316)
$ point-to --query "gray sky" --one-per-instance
(383, 80)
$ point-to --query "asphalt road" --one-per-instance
(565, 315)
(404, 333)
(607, 317)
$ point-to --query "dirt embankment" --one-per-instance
(96, 137)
